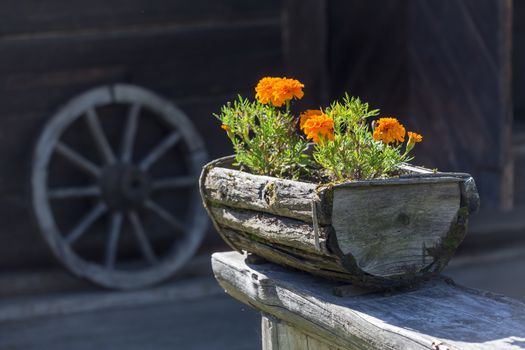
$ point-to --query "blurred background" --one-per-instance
(452, 70)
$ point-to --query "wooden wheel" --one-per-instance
(114, 186)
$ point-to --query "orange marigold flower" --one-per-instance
(286, 89)
(318, 127)
(307, 115)
(414, 137)
(264, 89)
(389, 130)
(278, 91)
(225, 127)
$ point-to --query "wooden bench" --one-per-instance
(303, 312)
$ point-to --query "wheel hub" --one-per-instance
(124, 186)
(119, 199)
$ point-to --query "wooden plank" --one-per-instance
(87, 300)
(269, 333)
(366, 60)
(276, 229)
(304, 32)
(262, 193)
(390, 230)
(436, 313)
(139, 47)
(166, 325)
(33, 16)
(227, 186)
(280, 335)
(44, 282)
(444, 40)
(328, 266)
(179, 80)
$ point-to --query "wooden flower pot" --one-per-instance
(374, 233)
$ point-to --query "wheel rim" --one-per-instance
(122, 189)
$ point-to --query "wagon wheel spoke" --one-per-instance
(121, 191)
(101, 141)
(130, 130)
(113, 238)
(80, 161)
(86, 222)
(161, 148)
(165, 215)
(74, 192)
(145, 246)
(174, 182)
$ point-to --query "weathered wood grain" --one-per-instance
(389, 229)
(276, 229)
(326, 266)
(269, 333)
(32, 17)
(436, 313)
(278, 335)
(282, 197)
(380, 233)
(133, 57)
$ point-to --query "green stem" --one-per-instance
(407, 150)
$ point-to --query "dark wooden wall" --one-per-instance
(518, 87)
(518, 59)
(367, 52)
(460, 90)
(197, 53)
(442, 67)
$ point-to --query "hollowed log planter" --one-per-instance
(374, 233)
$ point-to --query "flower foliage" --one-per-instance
(346, 146)
(264, 139)
(354, 153)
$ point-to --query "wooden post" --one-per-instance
(279, 335)
(301, 312)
